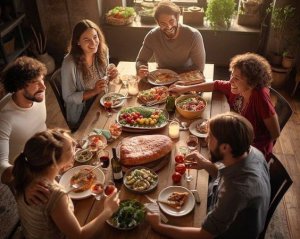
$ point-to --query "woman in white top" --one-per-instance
(83, 70)
(45, 155)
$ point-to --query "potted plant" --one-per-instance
(249, 13)
(39, 50)
(219, 13)
(281, 17)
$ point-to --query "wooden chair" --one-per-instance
(282, 107)
(280, 183)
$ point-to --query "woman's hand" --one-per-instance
(111, 203)
(143, 71)
(37, 193)
(178, 88)
(100, 86)
(112, 71)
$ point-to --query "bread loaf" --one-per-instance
(144, 149)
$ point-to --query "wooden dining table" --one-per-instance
(88, 208)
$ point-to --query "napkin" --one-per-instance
(103, 132)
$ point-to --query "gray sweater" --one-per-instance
(184, 53)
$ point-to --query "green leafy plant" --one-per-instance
(281, 19)
(220, 12)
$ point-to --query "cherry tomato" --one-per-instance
(180, 168)
(109, 189)
(176, 177)
(179, 158)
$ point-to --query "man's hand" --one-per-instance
(143, 71)
(37, 193)
(199, 161)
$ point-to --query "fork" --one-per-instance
(74, 186)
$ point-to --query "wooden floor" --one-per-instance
(287, 148)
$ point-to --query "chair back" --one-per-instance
(55, 83)
(280, 182)
(282, 107)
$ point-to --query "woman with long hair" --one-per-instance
(84, 69)
(45, 155)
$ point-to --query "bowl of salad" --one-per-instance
(190, 106)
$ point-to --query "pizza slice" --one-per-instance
(176, 200)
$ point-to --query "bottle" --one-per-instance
(116, 167)
(170, 104)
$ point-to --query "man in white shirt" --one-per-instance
(22, 111)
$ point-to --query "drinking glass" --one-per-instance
(184, 151)
(133, 88)
(109, 188)
(192, 142)
(97, 189)
(103, 156)
(108, 106)
(124, 80)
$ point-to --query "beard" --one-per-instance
(36, 97)
(171, 33)
(216, 155)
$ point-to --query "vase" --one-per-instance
(48, 61)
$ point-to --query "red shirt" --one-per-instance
(258, 109)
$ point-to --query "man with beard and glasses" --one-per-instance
(175, 46)
(243, 195)
(22, 110)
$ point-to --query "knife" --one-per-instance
(153, 207)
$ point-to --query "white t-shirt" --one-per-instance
(17, 125)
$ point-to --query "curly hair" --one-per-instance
(78, 54)
(166, 7)
(255, 68)
(40, 152)
(233, 129)
(19, 73)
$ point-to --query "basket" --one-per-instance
(119, 21)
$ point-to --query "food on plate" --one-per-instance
(163, 77)
(176, 200)
(130, 214)
(155, 94)
(120, 15)
(85, 178)
(180, 168)
(97, 142)
(113, 99)
(141, 116)
(83, 155)
(144, 149)
(176, 177)
(194, 103)
(179, 158)
(202, 127)
(140, 179)
(115, 129)
(191, 77)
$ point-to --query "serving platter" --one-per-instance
(153, 96)
(146, 112)
(66, 177)
(162, 77)
(135, 180)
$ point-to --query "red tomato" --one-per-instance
(179, 158)
(176, 177)
(109, 189)
(180, 168)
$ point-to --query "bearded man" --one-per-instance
(243, 194)
(22, 110)
(175, 46)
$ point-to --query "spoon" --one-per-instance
(184, 125)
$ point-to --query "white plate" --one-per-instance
(187, 207)
(65, 180)
(84, 159)
(153, 76)
(194, 131)
(110, 95)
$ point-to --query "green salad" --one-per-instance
(130, 214)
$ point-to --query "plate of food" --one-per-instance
(83, 155)
(96, 142)
(162, 77)
(116, 99)
(77, 175)
(199, 128)
(191, 78)
(130, 214)
(153, 96)
(176, 201)
(140, 180)
(141, 119)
